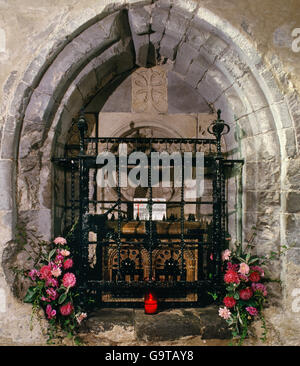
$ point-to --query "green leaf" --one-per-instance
(62, 298)
(30, 295)
(213, 295)
(51, 254)
(236, 296)
(253, 260)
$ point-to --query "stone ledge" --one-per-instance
(133, 326)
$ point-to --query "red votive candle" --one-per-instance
(150, 303)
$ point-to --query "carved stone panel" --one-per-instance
(149, 90)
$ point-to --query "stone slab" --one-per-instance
(105, 319)
(166, 325)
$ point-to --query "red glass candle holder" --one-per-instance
(150, 303)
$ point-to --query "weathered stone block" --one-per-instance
(40, 108)
(7, 222)
(155, 39)
(196, 37)
(293, 101)
(292, 180)
(293, 256)
(105, 320)
(292, 228)
(230, 62)
(159, 19)
(252, 91)
(73, 100)
(21, 99)
(168, 46)
(139, 20)
(76, 54)
(266, 146)
(281, 115)
(250, 176)
(196, 72)
(261, 201)
(236, 104)
(37, 221)
(62, 69)
(293, 202)
(185, 55)
(120, 99)
(250, 201)
(265, 120)
(268, 175)
(6, 183)
(166, 325)
(164, 4)
(182, 98)
(268, 200)
(289, 141)
(141, 45)
(213, 48)
(177, 24)
(213, 84)
(87, 81)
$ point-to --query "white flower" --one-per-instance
(224, 313)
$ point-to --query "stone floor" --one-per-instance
(178, 327)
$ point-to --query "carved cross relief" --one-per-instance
(150, 90)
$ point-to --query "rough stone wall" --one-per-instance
(237, 54)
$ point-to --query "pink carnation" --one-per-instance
(68, 263)
(52, 282)
(259, 287)
(33, 274)
(50, 312)
(243, 277)
(65, 252)
(224, 313)
(69, 280)
(258, 269)
(244, 268)
(252, 311)
(226, 255)
(80, 317)
(231, 276)
(43, 298)
(232, 266)
(56, 272)
(45, 272)
(66, 309)
(60, 241)
(59, 258)
(53, 295)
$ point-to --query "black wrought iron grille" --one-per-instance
(178, 256)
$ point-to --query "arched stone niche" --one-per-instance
(210, 55)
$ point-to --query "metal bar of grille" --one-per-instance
(154, 140)
(119, 224)
(72, 193)
(150, 216)
(182, 243)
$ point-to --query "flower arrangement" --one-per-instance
(53, 290)
(246, 291)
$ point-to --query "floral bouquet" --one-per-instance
(246, 291)
(53, 289)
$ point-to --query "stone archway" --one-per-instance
(208, 53)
